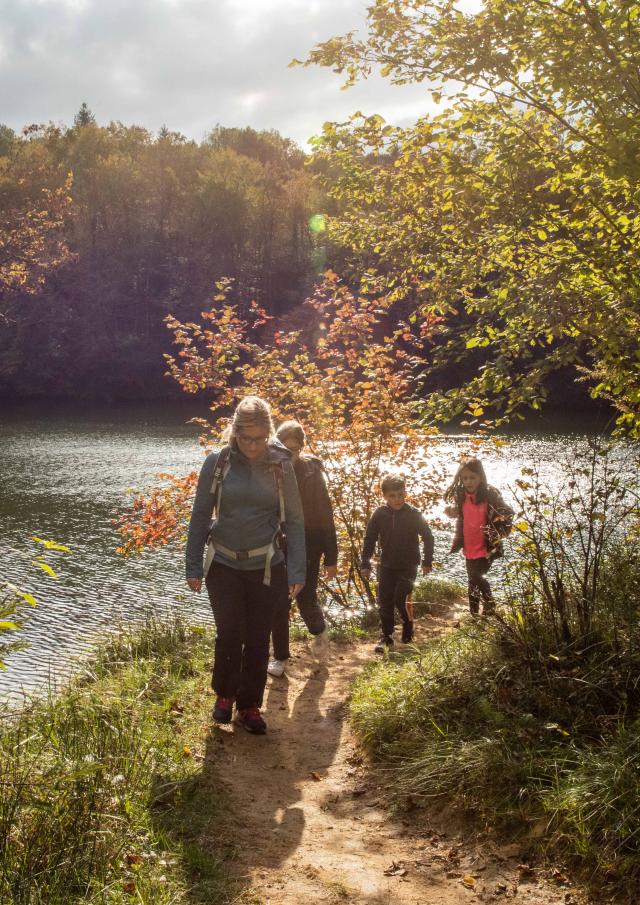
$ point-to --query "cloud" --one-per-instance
(189, 64)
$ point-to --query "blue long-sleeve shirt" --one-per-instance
(249, 513)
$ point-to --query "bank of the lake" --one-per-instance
(65, 476)
(120, 789)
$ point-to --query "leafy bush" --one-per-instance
(534, 713)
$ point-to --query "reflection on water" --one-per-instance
(65, 478)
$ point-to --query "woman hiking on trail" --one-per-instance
(483, 519)
(250, 488)
(320, 541)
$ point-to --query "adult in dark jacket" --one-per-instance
(254, 490)
(320, 541)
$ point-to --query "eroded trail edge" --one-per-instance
(313, 822)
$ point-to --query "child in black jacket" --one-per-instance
(398, 527)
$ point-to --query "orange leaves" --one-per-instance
(158, 518)
(333, 368)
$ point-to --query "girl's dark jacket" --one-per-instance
(499, 522)
(319, 526)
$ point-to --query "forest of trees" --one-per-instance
(130, 227)
(504, 230)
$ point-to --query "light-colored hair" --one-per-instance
(392, 481)
(250, 412)
(292, 429)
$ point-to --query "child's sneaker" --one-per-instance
(320, 645)
(407, 632)
(383, 644)
(276, 668)
(251, 719)
(222, 710)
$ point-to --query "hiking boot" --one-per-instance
(407, 632)
(222, 710)
(276, 668)
(384, 644)
(320, 645)
(251, 719)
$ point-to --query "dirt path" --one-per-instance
(313, 826)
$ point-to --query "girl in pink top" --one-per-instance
(482, 520)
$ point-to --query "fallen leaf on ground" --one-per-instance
(396, 869)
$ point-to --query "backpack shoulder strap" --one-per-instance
(278, 470)
(219, 474)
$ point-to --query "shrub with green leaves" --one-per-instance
(535, 711)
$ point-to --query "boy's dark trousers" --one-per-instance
(479, 587)
(310, 609)
(394, 586)
(243, 611)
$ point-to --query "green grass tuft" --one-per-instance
(107, 791)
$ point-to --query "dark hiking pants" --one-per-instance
(310, 609)
(243, 610)
(394, 587)
(479, 587)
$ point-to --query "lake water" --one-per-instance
(64, 477)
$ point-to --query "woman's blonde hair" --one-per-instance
(250, 412)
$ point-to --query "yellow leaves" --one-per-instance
(28, 598)
(46, 568)
(51, 545)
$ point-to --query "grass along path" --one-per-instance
(314, 823)
(121, 790)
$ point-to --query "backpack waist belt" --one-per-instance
(268, 551)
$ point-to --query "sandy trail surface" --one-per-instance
(315, 824)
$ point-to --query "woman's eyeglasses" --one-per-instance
(253, 441)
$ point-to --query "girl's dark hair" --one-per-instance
(455, 491)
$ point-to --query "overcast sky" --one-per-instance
(188, 64)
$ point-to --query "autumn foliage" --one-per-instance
(31, 241)
(349, 374)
